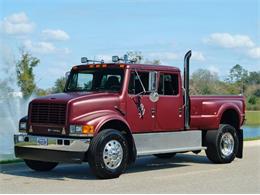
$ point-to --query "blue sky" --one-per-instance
(221, 33)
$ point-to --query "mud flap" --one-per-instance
(240, 144)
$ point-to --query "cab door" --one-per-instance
(169, 107)
(140, 109)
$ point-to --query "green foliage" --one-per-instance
(41, 92)
(154, 62)
(252, 99)
(238, 75)
(204, 82)
(253, 117)
(253, 78)
(24, 73)
(59, 85)
(135, 55)
(257, 93)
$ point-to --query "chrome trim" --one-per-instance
(166, 142)
(227, 144)
(30, 141)
(113, 154)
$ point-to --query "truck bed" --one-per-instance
(206, 111)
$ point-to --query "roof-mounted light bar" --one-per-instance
(86, 60)
(125, 59)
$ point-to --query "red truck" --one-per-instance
(111, 113)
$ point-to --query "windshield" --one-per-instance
(95, 80)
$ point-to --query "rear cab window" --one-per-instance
(168, 84)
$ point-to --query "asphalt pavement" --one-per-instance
(185, 173)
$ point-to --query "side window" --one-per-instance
(135, 86)
(168, 84)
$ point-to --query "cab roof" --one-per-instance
(131, 66)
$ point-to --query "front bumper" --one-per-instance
(51, 149)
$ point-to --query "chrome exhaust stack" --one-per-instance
(187, 88)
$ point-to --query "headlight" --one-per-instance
(82, 130)
(22, 126)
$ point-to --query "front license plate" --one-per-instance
(42, 141)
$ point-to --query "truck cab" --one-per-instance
(111, 113)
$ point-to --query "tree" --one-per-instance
(59, 85)
(24, 73)
(239, 75)
(204, 82)
(135, 55)
(253, 78)
(154, 62)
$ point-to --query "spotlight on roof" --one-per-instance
(84, 60)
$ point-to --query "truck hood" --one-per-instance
(80, 104)
(73, 97)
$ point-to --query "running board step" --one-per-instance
(155, 143)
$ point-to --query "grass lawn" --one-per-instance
(252, 117)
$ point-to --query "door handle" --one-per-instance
(180, 110)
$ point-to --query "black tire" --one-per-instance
(165, 155)
(97, 148)
(215, 144)
(40, 165)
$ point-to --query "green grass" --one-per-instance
(10, 161)
(252, 139)
(252, 117)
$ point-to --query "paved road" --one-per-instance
(186, 173)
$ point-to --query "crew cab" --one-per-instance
(111, 113)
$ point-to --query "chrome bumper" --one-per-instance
(51, 149)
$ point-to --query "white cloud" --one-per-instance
(44, 47)
(106, 58)
(163, 55)
(227, 40)
(166, 56)
(57, 35)
(214, 69)
(197, 55)
(254, 53)
(16, 24)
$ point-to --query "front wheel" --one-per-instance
(40, 165)
(222, 144)
(108, 154)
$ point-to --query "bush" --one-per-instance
(252, 99)
(257, 93)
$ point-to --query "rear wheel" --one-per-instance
(40, 165)
(165, 155)
(222, 144)
(108, 154)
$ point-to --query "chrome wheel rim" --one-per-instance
(227, 144)
(113, 154)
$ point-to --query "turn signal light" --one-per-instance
(88, 129)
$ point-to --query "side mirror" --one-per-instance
(67, 74)
(154, 96)
(152, 81)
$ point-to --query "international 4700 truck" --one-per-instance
(111, 113)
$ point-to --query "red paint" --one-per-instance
(96, 108)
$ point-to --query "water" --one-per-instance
(251, 131)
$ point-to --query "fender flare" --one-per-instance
(99, 118)
(228, 106)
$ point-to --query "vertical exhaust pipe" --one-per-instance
(187, 88)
